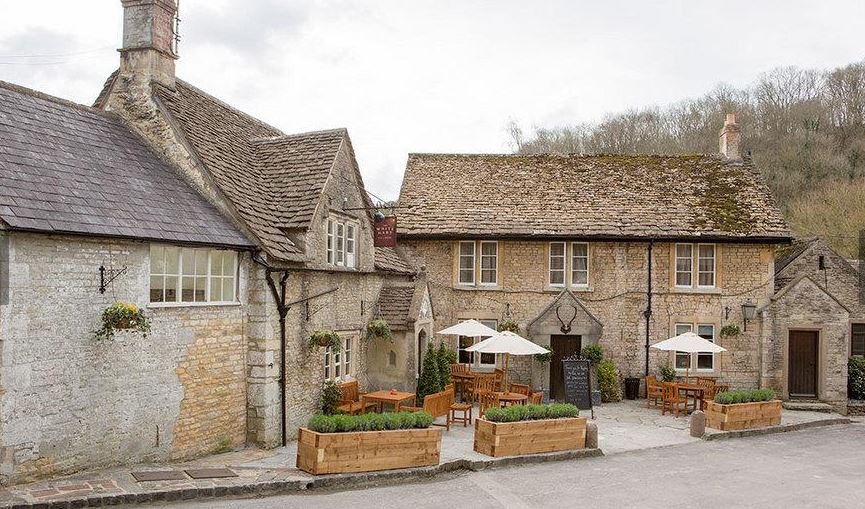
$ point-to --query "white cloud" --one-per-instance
(441, 76)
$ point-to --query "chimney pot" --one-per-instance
(730, 138)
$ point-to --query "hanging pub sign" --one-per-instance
(385, 232)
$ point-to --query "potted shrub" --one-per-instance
(608, 382)
(325, 338)
(378, 329)
(594, 354)
(529, 429)
(736, 410)
(668, 374)
(364, 443)
(123, 316)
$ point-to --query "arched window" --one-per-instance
(391, 358)
(421, 350)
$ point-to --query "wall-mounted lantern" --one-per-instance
(749, 311)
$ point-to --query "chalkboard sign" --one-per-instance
(578, 389)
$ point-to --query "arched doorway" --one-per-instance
(421, 350)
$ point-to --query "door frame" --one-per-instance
(820, 358)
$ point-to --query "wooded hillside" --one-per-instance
(805, 130)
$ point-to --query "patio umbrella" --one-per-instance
(689, 343)
(507, 343)
(472, 328)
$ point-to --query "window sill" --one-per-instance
(169, 305)
(477, 288)
(698, 291)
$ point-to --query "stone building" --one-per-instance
(238, 241)
(619, 250)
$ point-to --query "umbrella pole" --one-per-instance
(505, 377)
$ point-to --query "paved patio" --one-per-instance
(622, 427)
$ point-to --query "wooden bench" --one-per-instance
(350, 402)
(437, 405)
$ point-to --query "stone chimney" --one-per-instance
(147, 54)
(731, 135)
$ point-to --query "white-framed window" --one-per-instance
(557, 263)
(338, 366)
(467, 263)
(697, 361)
(569, 264)
(483, 360)
(489, 263)
(684, 265)
(579, 264)
(695, 266)
(705, 265)
(192, 275)
(341, 243)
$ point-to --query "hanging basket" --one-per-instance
(325, 338)
(378, 329)
(123, 316)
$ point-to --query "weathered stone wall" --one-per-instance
(178, 393)
(616, 296)
(805, 306)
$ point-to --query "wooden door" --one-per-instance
(562, 347)
(802, 366)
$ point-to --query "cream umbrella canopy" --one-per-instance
(689, 343)
(507, 343)
(471, 328)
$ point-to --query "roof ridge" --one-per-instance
(223, 104)
(53, 98)
(273, 139)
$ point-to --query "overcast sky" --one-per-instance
(437, 76)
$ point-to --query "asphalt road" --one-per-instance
(820, 468)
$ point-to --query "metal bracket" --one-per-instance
(106, 276)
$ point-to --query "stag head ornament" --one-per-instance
(566, 328)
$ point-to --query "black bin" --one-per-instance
(632, 388)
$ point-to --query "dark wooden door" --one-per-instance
(562, 347)
(802, 368)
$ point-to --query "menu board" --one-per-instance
(578, 389)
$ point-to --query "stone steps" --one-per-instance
(808, 405)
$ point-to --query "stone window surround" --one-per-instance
(476, 283)
(178, 303)
(569, 260)
(349, 249)
(695, 322)
(694, 287)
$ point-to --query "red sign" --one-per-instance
(385, 232)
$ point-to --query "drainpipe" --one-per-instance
(648, 312)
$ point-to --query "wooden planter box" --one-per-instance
(743, 415)
(529, 437)
(367, 451)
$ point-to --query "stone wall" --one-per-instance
(805, 306)
(71, 402)
(616, 296)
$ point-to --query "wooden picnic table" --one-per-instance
(395, 398)
(694, 391)
(511, 398)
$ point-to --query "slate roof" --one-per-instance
(68, 168)
(586, 196)
(387, 259)
(786, 254)
(394, 304)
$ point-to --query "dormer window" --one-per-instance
(341, 243)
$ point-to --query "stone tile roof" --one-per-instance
(274, 180)
(68, 168)
(394, 303)
(387, 259)
(587, 196)
(786, 254)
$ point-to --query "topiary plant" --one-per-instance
(592, 353)
(331, 397)
(608, 381)
(856, 378)
(430, 375)
(445, 357)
